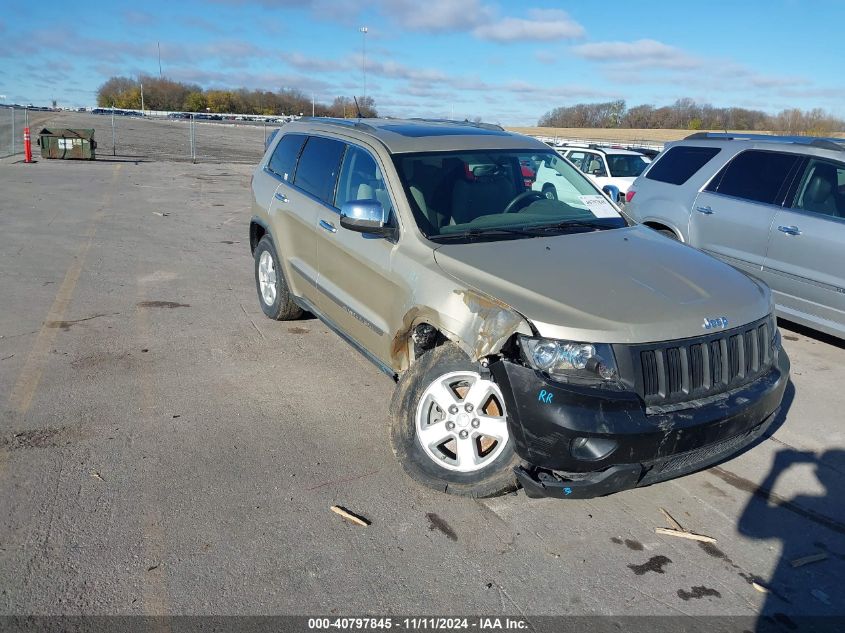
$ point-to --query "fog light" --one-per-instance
(591, 448)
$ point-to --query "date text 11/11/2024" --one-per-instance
(418, 624)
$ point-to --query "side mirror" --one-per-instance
(365, 216)
(612, 192)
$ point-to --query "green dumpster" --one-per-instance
(67, 143)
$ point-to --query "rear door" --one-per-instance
(805, 263)
(293, 219)
(732, 216)
(358, 292)
(313, 190)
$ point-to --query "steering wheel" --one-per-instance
(525, 195)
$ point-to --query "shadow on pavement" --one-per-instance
(788, 327)
(802, 593)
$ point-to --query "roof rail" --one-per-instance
(353, 123)
(814, 141)
(478, 124)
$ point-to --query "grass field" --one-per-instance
(620, 134)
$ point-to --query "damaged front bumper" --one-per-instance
(548, 420)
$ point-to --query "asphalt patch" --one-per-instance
(66, 325)
(436, 523)
(698, 593)
(162, 304)
(655, 564)
(51, 437)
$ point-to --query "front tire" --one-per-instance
(273, 293)
(449, 426)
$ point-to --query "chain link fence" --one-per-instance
(171, 138)
(12, 122)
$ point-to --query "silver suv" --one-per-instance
(773, 207)
(539, 341)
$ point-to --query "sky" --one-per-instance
(506, 62)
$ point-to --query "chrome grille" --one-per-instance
(687, 369)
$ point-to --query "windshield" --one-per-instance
(501, 194)
(626, 165)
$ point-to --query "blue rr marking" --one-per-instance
(545, 396)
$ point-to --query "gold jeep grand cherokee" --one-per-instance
(541, 341)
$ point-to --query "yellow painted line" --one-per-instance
(29, 378)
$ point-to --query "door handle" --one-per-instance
(704, 210)
(281, 197)
(789, 230)
(331, 228)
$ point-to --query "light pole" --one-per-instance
(364, 61)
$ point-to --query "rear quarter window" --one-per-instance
(283, 161)
(679, 164)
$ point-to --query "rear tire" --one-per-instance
(468, 450)
(273, 293)
(550, 192)
(668, 233)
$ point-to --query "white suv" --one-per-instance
(608, 166)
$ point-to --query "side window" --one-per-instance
(283, 161)
(678, 164)
(318, 167)
(755, 175)
(361, 179)
(822, 189)
(594, 165)
(577, 159)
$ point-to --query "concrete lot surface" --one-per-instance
(165, 449)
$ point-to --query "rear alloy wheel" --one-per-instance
(273, 292)
(450, 428)
(550, 192)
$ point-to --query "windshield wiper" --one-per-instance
(596, 225)
(470, 233)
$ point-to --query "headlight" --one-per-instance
(567, 361)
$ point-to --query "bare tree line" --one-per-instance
(169, 95)
(689, 115)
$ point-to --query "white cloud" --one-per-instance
(314, 64)
(541, 24)
(637, 54)
(437, 16)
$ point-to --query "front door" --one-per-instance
(357, 288)
(805, 263)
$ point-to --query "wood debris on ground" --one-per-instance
(678, 530)
(806, 560)
(349, 516)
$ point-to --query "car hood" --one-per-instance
(627, 285)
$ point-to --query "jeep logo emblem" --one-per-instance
(718, 322)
